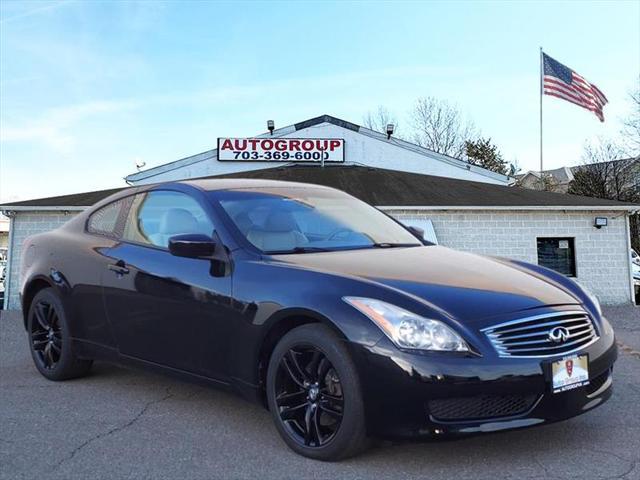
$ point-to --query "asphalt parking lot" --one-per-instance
(118, 423)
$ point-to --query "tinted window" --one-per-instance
(286, 220)
(155, 217)
(557, 254)
(108, 219)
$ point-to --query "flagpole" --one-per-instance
(541, 93)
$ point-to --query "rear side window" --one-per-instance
(157, 216)
(109, 220)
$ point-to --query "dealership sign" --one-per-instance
(281, 149)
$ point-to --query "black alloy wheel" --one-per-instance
(309, 396)
(50, 341)
(46, 334)
(314, 394)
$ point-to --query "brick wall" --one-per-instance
(25, 224)
(602, 256)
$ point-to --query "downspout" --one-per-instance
(629, 263)
(7, 276)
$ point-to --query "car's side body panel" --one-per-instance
(169, 310)
(68, 262)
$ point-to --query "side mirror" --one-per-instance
(417, 231)
(192, 245)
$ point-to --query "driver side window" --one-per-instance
(155, 217)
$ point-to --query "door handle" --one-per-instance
(119, 268)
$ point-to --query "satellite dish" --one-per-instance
(139, 164)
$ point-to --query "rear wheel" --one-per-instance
(314, 394)
(50, 339)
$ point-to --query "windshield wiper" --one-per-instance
(394, 245)
(301, 250)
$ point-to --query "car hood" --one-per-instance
(464, 285)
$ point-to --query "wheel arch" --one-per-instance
(31, 289)
(279, 326)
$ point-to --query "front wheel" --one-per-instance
(314, 394)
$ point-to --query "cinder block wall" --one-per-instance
(602, 255)
(24, 225)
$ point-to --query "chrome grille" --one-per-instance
(530, 336)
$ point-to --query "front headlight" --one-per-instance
(591, 296)
(408, 330)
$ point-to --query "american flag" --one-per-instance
(562, 82)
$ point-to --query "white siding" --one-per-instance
(24, 225)
(602, 256)
(359, 148)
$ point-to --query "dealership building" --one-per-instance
(458, 205)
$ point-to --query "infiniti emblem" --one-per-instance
(558, 334)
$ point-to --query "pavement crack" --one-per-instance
(632, 463)
(632, 467)
(545, 470)
(628, 350)
(116, 429)
(194, 394)
(605, 452)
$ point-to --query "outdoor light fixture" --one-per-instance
(390, 128)
(600, 222)
(271, 125)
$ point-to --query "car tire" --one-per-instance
(329, 401)
(50, 340)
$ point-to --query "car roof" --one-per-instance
(212, 184)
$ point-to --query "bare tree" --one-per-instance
(379, 119)
(440, 127)
(606, 174)
(631, 125)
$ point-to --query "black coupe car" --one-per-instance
(342, 322)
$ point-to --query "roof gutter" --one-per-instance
(4, 209)
(581, 208)
(455, 162)
(171, 166)
(578, 208)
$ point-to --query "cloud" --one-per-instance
(48, 135)
(53, 128)
(35, 11)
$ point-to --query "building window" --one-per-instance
(557, 254)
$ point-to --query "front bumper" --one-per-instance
(435, 394)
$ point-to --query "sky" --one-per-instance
(89, 88)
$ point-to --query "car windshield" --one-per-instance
(301, 220)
